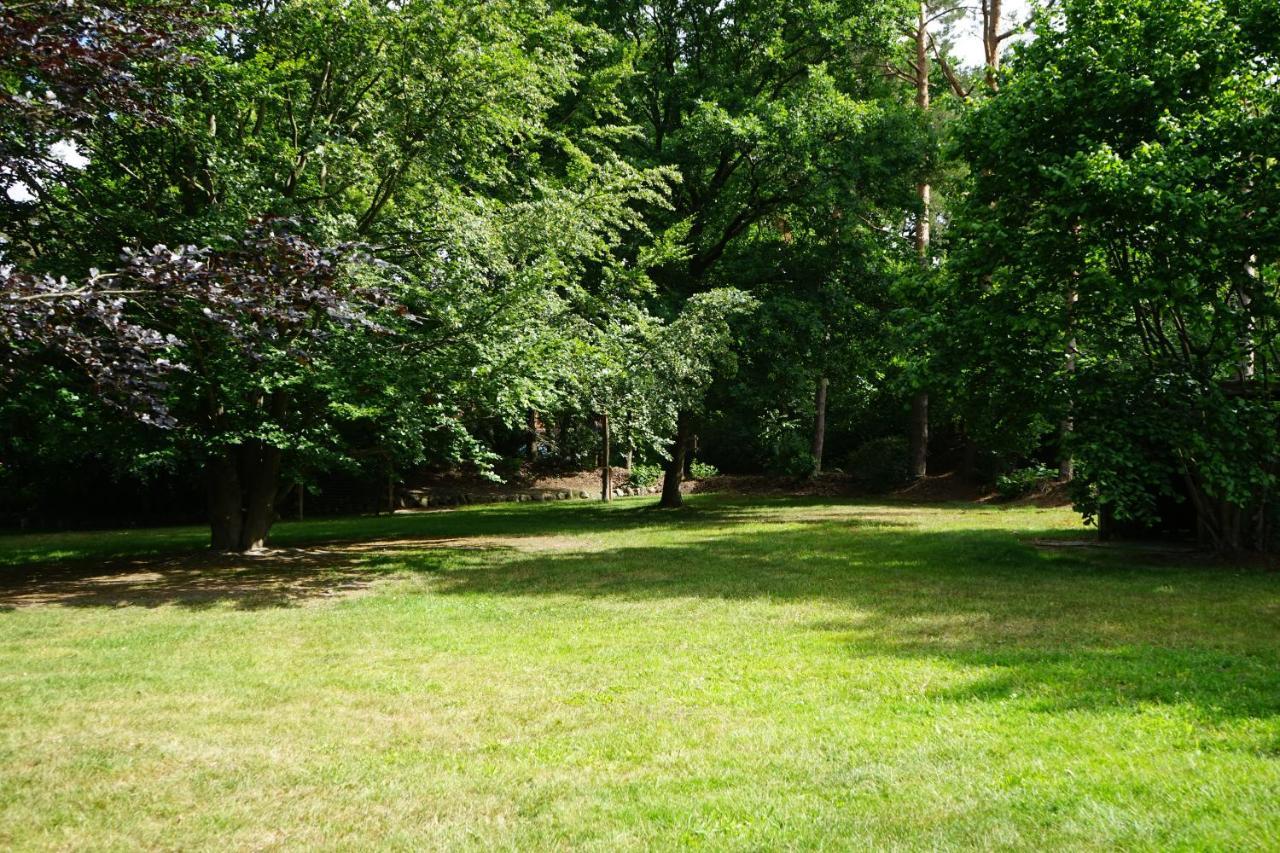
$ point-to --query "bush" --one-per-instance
(701, 470)
(643, 476)
(1024, 480)
(785, 445)
(881, 464)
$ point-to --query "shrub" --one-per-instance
(1017, 483)
(881, 464)
(784, 444)
(643, 476)
(701, 470)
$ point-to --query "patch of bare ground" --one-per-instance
(1048, 496)
(826, 485)
(944, 488)
(454, 488)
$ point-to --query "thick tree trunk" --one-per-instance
(671, 497)
(226, 509)
(819, 425)
(606, 471)
(244, 485)
(261, 479)
(920, 435)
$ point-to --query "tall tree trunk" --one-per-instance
(1067, 464)
(992, 11)
(969, 458)
(1248, 346)
(671, 497)
(819, 425)
(226, 510)
(920, 435)
(919, 429)
(606, 472)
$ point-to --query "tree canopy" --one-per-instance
(262, 243)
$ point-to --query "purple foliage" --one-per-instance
(126, 332)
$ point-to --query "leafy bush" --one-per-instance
(701, 470)
(784, 445)
(1018, 483)
(881, 464)
(643, 476)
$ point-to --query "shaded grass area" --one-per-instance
(747, 674)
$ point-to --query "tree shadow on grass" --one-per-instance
(43, 550)
(341, 557)
(1053, 630)
(278, 578)
(1050, 630)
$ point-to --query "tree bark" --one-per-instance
(226, 511)
(819, 425)
(919, 432)
(244, 484)
(1067, 464)
(261, 478)
(671, 496)
(920, 435)
(531, 449)
(992, 11)
(606, 471)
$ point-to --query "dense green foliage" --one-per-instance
(759, 232)
(1117, 257)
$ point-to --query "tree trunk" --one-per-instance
(992, 12)
(226, 511)
(671, 497)
(920, 435)
(606, 472)
(244, 485)
(531, 448)
(261, 479)
(1067, 464)
(819, 425)
(1249, 347)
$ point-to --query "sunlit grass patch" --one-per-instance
(745, 674)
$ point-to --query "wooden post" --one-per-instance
(606, 475)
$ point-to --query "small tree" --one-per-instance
(687, 355)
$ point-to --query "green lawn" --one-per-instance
(745, 674)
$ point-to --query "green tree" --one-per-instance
(440, 134)
(1122, 232)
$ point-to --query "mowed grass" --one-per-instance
(744, 674)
